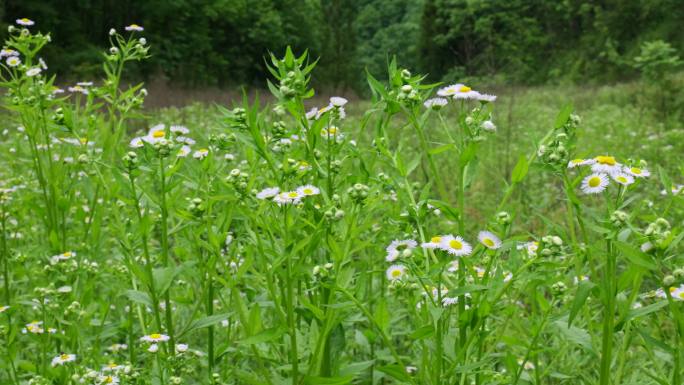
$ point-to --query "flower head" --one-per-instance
(605, 164)
(637, 172)
(623, 178)
(455, 245)
(155, 337)
(308, 190)
(580, 162)
(399, 248)
(396, 272)
(13, 61)
(25, 22)
(436, 103)
(489, 240)
(201, 153)
(134, 28)
(434, 242)
(268, 192)
(594, 183)
(63, 359)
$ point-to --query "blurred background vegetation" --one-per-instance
(223, 43)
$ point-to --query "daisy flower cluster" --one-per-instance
(605, 168)
(288, 197)
(676, 292)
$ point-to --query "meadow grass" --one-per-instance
(430, 235)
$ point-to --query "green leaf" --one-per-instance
(395, 371)
(441, 149)
(635, 255)
(580, 298)
(310, 380)
(563, 116)
(206, 322)
(139, 297)
(520, 169)
(264, 336)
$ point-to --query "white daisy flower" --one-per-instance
(449, 301)
(288, 197)
(489, 239)
(308, 190)
(85, 84)
(4, 308)
(455, 245)
(62, 359)
(184, 151)
(268, 192)
(62, 257)
(42, 63)
(338, 101)
(181, 348)
(485, 98)
(530, 247)
(400, 248)
(31, 72)
(434, 242)
(488, 125)
(6, 52)
(580, 162)
(201, 153)
(312, 114)
(179, 130)
(623, 178)
(436, 103)
(155, 337)
(112, 367)
(107, 380)
(79, 89)
(396, 272)
(606, 164)
(156, 134)
(453, 89)
(594, 183)
(153, 348)
(332, 132)
(675, 190)
(13, 61)
(25, 22)
(678, 293)
(134, 27)
(637, 172)
(136, 142)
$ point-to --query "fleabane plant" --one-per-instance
(302, 242)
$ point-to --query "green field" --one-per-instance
(531, 239)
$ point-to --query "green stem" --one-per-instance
(165, 251)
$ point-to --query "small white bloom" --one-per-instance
(400, 248)
(308, 190)
(181, 348)
(455, 245)
(201, 153)
(33, 71)
(488, 125)
(153, 348)
(436, 103)
(184, 151)
(62, 359)
(396, 272)
(594, 183)
(489, 239)
(13, 61)
(135, 28)
(338, 101)
(155, 337)
(25, 22)
(268, 192)
(623, 178)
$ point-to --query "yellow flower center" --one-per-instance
(25, 20)
(134, 26)
(112, 365)
(635, 170)
(681, 294)
(155, 336)
(83, 140)
(67, 254)
(488, 242)
(158, 134)
(396, 273)
(455, 244)
(464, 89)
(435, 239)
(621, 179)
(609, 160)
(672, 290)
(108, 380)
(308, 191)
(594, 181)
(292, 194)
(64, 357)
